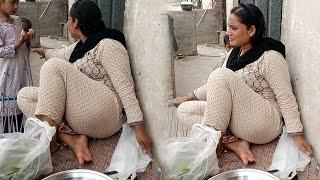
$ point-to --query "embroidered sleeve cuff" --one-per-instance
(7, 51)
(201, 93)
(295, 133)
(135, 123)
(294, 126)
(48, 53)
(134, 115)
(195, 95)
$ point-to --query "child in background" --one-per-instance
(228, 47)
(26, 25)
(14, 65)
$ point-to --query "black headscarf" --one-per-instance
(236, 62)
(91, 25)
(81, 48)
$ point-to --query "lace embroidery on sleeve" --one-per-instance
(7, 51)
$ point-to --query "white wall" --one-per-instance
(229, 5)
(71, 40)
(150, 49)
(301, 35)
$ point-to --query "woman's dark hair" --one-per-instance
(89, 17)
(251, 15)
(226, 39)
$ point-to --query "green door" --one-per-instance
(112, 12)
(272, 11)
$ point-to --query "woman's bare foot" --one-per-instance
(219, 149)
(54, 142)
(53, 146)
(79, 146)
(242, 149)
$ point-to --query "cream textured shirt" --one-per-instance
(108, 63)
(269, 76)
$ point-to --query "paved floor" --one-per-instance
(193, 71)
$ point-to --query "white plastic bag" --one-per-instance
(288, 158)
(128, 158)
(26, 155)
(193, 157)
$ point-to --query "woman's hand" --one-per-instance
(177, 101)
(303, 144)
(143, 138)
(41, 52)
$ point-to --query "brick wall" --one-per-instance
(56, 13)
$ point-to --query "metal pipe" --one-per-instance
(45, 9)
(211, 2)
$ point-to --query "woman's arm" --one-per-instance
(198, 94)
(277, 75)
(201, 93)
(62, 53)
(115, 60)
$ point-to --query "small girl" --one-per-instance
(14, 65)
(26, 25)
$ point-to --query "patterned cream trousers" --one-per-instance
(232, 104)
(89, 106)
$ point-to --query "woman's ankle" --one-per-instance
(48, 119)
(54, 144)
(71, 140)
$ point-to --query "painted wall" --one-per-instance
(49, 24)
(229, 5)
(24, 10)
(184, 27)
(300, 33)
(150, 49)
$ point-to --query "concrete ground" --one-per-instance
(193, 71)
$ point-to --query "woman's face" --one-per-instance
(72, 27)
(239, 34)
